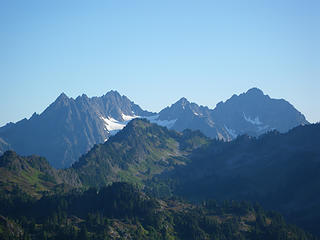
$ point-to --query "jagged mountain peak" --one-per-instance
(255, 113)
(34, 115)
(70, 127)
(61, 100)
(182, 101)
(179, 105)
(83, 96)
(113, 93)
(255, 91)
(62, 97)
(248, 98)
(183, 104)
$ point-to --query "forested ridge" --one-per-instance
(148, 182)
(122, 211)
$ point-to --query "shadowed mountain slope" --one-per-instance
(278, 170)
(70, 127)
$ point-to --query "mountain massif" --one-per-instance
(251, 113)
(125, 171)
(69, 127)
(278, 170)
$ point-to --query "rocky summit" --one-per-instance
(69, 127)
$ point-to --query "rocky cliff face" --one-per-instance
(69, 127)
(250, 113)
(254, 113)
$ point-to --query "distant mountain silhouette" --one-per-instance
(250, 113)
(70, 127)
(254, 113)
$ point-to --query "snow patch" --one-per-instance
(263, 128)
(164, 123)
(112, 125)
(255, 121)
(152, 118)
(231, 132)
(128, 118)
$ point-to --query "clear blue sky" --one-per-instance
(155, 52)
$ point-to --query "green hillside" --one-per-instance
(281, 171)
(33, 175)
(137, 153)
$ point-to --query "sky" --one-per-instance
(156, 52)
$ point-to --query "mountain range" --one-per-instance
(278, 170)
(69, 127)
(251, 148)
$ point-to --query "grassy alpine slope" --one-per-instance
(137, 153)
